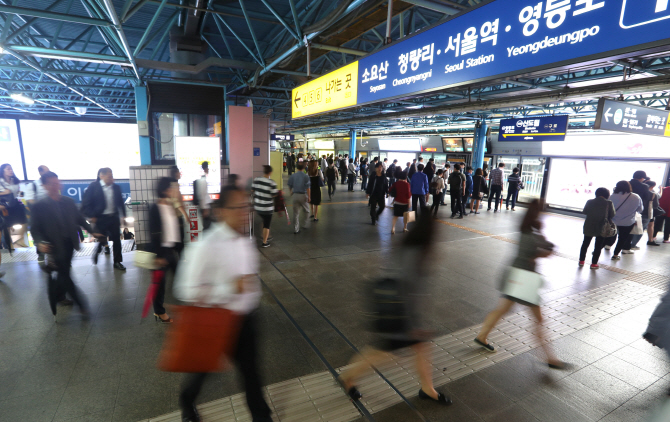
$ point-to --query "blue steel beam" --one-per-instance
(259, 61)
(53, 15)
(68, 54)
(165, 27)
(280, 19)
(295, 18)
(119, 29)
(149, 27)
(253, 33)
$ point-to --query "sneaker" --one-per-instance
(581, 263)
(615, 257)
(265, 245)
(595, 266)
(488, 209)
(666, 241)
(635, 248)
(607, 248)
(513, 209)
(653, 244)
(460, 216)
(507, 208)
(629, 252)
(107, 251)
(453, 216)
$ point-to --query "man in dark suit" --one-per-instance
(55, 224)
(103, 205)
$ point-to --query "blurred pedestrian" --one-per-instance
(412, 170)
(663, 221)
(265, 190)
(479, 189)
(364, 174)
(468, 186)
(300, 187)
(221, 271)
(401, 193)
(54, 226)
(103, 205)
(626, 205)
(532, 245)
(344, 168)
(13, 210)
(407, 326)
(655, 211)
(599, 212)
(377, 190)
(420, 188)
(316, 180)
(437, 187)
(351, 174)
(127, 234)
(201, 197)
(331, 178)
(165, 240)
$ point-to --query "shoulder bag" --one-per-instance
(523, 285)
(609, 228)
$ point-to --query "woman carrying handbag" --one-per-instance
(13, 210)
(598, 223)
(627, 205)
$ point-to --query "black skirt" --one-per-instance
(399, 210)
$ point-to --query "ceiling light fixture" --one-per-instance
(22, 98)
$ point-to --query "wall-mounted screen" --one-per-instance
(76, 150)
(324, 145)
(452, 144)
(608, 144)
(10, 150)
(573, 182)
(400, 144)
(191, 151)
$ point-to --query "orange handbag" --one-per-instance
(199, 340)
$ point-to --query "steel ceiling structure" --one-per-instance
(75, 55)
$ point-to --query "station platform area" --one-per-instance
(312, 322)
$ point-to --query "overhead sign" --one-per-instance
(623, 117)
(498, 39)
(275, 137)
(335, 90)
(547, 128)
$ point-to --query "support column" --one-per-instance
(352, 144)
(142, 113)
(479, 146)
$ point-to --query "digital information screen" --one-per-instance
(452, 144)
(190, 152)
(497, 39)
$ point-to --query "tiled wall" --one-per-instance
(143, 181)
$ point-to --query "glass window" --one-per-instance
(440, 159)
(402, 157)
(10, 150)
(532, 176)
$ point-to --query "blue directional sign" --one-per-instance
(547, 128)
(506, 36)
(503, 37)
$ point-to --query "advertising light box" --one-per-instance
(452, 144)
(497, 39)
(190, 152)
(547, 128)
(400, 144)
(572, 182)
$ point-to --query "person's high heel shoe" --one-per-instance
(166, 321)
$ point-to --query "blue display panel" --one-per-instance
(507, 36)
(547, 128)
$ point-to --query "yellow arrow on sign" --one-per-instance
(532, 134)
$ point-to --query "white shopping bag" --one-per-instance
(523, 285)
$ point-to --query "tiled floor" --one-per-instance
(104, 370)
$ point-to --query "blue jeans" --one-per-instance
(635, 238)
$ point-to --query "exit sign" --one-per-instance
(430, 149)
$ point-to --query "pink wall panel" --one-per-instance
(241, 136)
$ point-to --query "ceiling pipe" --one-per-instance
(124, 41)
(53, 15)
(339, 49)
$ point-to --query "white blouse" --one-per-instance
(170, 226)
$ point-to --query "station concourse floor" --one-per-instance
(311, 317)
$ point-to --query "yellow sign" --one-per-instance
(338, 89)
(667, 126)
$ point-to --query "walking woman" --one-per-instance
(479, 189)
(165, 241)
(437, 186)
(626, 204)
(411, 288)
(316, 180)
(14, 213)
(331, 178)
(400, 191)
(532, 245)
(178, 203)
(598, 211)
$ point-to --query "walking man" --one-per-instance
(265, 190)
(344, 168)
(457, 189)
(201, 196)
(378, 187)
(103, 205)
(496, 177)
(54, 226)
(391, 172)
(299, 185)
(420, 187)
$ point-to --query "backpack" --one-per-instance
(330, 173)
(388, 309)
(196, 200)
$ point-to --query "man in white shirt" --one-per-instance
(221, 270)
(204, 201)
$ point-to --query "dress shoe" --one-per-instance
(95, 259)
(119, 266)
(441, 398)
(107, 251)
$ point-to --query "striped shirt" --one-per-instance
(264, 191)
(513, 180)
(496, 177)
